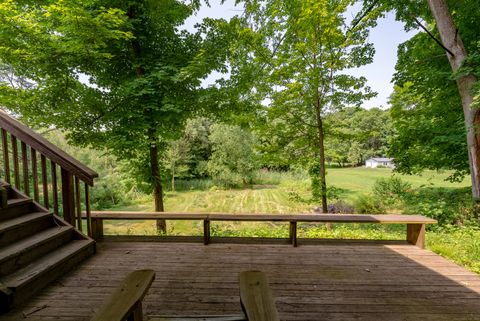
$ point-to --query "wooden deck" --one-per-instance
(333, 280)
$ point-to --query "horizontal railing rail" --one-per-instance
(415, 223)
(31, 164)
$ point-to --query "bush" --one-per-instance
(233, 161)
(368, 204)
(391, 190)
(446, 205)
(107, 192)
(335, 193)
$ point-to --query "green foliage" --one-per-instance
(354, 135)
(391, 190)
(460, 244)
(315, 182)
(447, 205)
(352, 231)
(112, 187)
(368, 204)
(233, 161)
(196, 138)
(426, 108)
(302, 49)
(144, 72)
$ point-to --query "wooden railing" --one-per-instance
(31, 164)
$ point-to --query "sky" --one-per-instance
(386, 37)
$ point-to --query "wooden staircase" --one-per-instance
(36, 247)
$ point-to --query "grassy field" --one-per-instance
(276, 193)
(287, 193)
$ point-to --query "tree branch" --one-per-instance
(431, 35)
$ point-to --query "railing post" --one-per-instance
(293, 233)
(87, 210)
(6, 160)
(68, 198)
(97, 228)
(206, 232)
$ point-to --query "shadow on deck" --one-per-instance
(332, 280)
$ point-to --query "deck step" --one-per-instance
(28, 280)
(16, 207)
(22, 252)
(23, 226)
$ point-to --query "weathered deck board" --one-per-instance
(331, 281)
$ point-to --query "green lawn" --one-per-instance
(283, 193)
(361, 180)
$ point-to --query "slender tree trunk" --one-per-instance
(157, 186)
(173, 177)
(321, 156)
(452, 41)
(154, 167)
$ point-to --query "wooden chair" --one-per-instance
(126, 302)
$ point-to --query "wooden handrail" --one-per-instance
(52, 152)
(28, 149)
(126, 301)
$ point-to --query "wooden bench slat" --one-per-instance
(256, 297)
(235, 317)
(126, 298)
(331, 218)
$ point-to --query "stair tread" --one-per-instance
(43, 264)
(17, 201)
(10, 223)
(27, 243)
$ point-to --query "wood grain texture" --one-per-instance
(334, 280)
(43, 165)
(16, 170)
(236, 317)
(25, 175)
(333, 218)
(33, 154)
(256, 297)
(416, 234)
(6, 159)
(125, 301)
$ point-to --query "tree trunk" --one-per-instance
(154, 167)
(321, 155)
(452, 41)
(173, 178)
(157, 186)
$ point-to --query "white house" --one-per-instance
(380, 161)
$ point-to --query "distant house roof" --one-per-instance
(380, 159)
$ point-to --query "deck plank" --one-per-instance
(330, 281)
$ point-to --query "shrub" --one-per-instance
(107, 192)
(233, 161)
(446, 205)
(334, 193)
(390, 190)
(368, 204)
